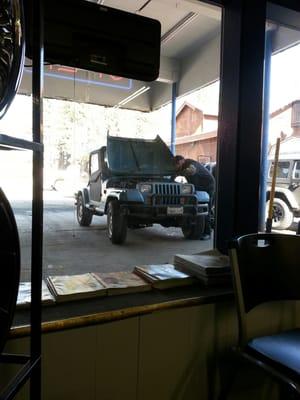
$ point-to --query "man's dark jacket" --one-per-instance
(202, 179)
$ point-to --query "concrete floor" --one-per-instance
(70, 248)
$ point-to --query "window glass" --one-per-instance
(82, 108)
(296, 172)
(283, 169)
(94, 163)
(281, 126)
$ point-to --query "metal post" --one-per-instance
(173, 121)
(37, 197)
(265, 131)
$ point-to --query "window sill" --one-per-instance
(75, 314)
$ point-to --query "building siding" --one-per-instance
(203, 151)
(188, 121)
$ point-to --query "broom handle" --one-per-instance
(272, 192)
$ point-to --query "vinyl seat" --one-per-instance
(283, 349)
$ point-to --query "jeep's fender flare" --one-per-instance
(85, 196)
(286, 196)
(125, 197)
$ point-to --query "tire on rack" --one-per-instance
(84, 216)
(282, 215)
(116, 223)
(194, 232)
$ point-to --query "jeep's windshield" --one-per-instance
(139, 157)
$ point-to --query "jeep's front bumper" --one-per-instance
(157, 208)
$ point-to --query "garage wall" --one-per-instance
(168, 355)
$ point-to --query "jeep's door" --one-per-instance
(295, 187)
(95, 177)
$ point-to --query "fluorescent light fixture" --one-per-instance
(133, 96)
(179, 26)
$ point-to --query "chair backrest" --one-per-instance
(266, 267)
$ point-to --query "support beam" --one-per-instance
(239, 136)
(173, 121)
(37, 199)
(265, 132)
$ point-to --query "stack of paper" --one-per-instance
(163, 276)
(211, 269)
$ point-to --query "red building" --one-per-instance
(196, 133)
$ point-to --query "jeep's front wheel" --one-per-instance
(282, 215)
(116, 223)
(194, 232)
(84, 216)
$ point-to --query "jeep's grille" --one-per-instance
(167, 189)
(167, 200)
(167, 194)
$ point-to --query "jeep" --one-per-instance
(132, 181)
(286, 204)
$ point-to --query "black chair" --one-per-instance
(266, 268)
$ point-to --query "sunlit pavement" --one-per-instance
(70, 248)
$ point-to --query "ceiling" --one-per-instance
(190, 56)
(193, 22)
(188, 28)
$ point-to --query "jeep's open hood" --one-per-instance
(139, 157)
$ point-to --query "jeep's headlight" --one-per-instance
(146, 188)
(186, 189)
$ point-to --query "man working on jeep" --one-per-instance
(202, 179)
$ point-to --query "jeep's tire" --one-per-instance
(116, 223)
(282, 215)
(194, 232)
(84, 216)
